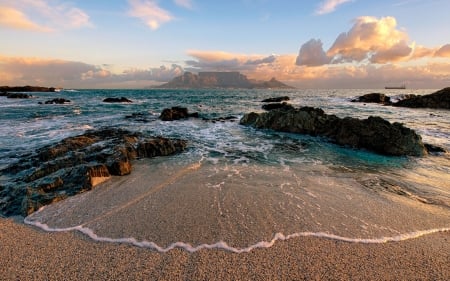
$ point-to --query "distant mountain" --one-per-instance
(209, 80)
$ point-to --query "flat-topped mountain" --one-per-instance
(221, 80)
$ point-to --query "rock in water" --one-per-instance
(176, 113)
(439, 99)
(118, 100)
(374, 98)
(374, 133)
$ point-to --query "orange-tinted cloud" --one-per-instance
(62, 73)
(149, 12)
(13, 18)
(329, 6)
(370, 40)
(41, 16)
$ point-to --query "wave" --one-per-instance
(222, 245)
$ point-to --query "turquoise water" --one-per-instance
(345, 193)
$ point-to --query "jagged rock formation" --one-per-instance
(439, 99)
(26, 89)
(374, 133)
(75, 165)
(221, 80)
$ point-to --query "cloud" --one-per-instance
(329, 6)
(150, 13)
(184, 3)
(312, 54)
(444, 51)
(13, 18)
(223, 61)
(72, 74)
(42, 16)
(377, 40)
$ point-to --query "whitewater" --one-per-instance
(236, 188)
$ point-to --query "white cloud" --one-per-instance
(149, 12)
(184, 3)
(329, 6)
(312, 54)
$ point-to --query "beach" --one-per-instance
(237, 204)
(31, 254)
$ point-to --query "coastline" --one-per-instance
(29, 253)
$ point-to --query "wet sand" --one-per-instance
(31, 254)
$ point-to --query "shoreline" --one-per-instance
(30, 253)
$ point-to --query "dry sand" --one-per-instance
(31, 254)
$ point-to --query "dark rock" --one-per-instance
(374, 133)
(433, 149)
(272, 106)
(57, 101)
(117, 100)
(176, 113)
(374, 98)
(26, 89)
(76, 164)
(19, 96)
(276, 99)
(139, 117)
(4, 94)
(439, 99)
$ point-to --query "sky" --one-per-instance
(306, 44)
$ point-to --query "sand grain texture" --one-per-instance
(31, 254)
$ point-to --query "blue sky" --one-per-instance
(308, 44)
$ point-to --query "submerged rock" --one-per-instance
(19, 96)
(118, 100)
(76, 164)
(57, 101)
(176, 113)
(276, 99)
(374, 133)
(439, 99)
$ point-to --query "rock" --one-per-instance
(439, 99)
(272, 106)
(160, 147)
(176, 113)
(57, 101)
(276, 99)
(117, 100)
(26, 89)
(19, 96)
(139, 117)
(374, 98)
(374, 133)
(76, 164)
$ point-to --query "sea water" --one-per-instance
(235, 187)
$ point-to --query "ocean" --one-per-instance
(238, 188)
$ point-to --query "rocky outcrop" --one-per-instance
(76, 164)
(26, 89)
(374, 98)
(56, 101)
(276, 99)
(117, 100)
(221, 80)
(439, 99)
(176, 113)
(374, 133)
(19, 96)
(277, 105)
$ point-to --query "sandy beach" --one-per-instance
(31, 254)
